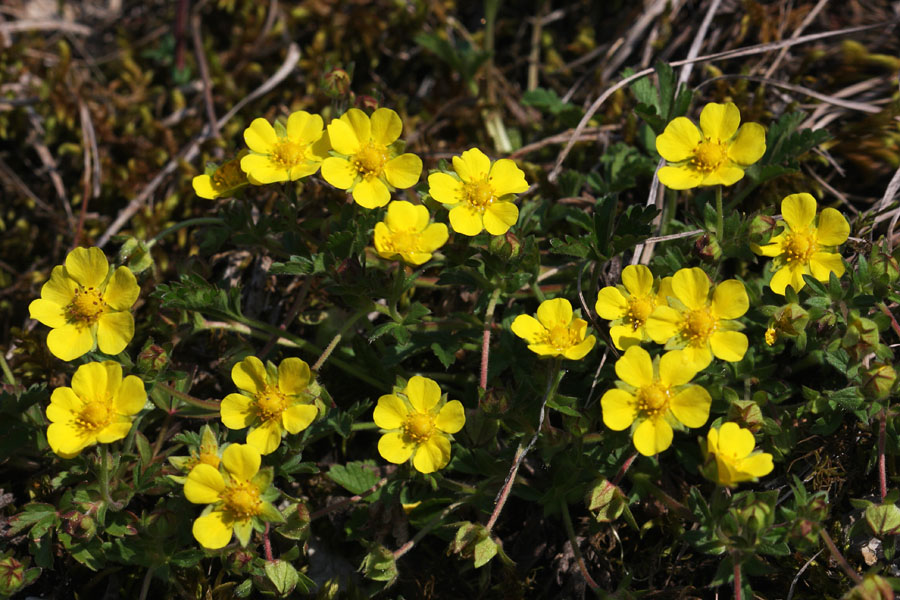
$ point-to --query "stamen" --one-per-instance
(242, 499)
(370, 160)
(86, 306)
(709, 156)
(479, 195)
(270, 403)
(653, 400)
(418, 427)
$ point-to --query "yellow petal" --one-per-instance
(49, 313)
(304, 128)
(712, 441)
(758, 465)
(434, 236)
(266, 437)
(652, 436)
(719, 121)
(204, 484)
(798, 210)
(445, 188)
(343, 138)
(359, 122)
(249, 375)
(555, 313)
(64, 405)
(673, 371)
(749, 145)
(371, 193)
(213, 531)
(114, 331)
(303, 170)
(60, 288)
(466, 220)
(338, 172)
(611, 304)
(730, 300)
(66, 441)
(619, 409)
(775, 247)
(696, 358)
(472, 166)
(580, 350)
(780, 280)
(405, 216)
(452, 417)
(393, 448)
(130, 397)
(635, 367)
(241, 461)
(293, 376)
(544, 349)
(736, 440)
(499, 217)
(90, 381)
(624, 337)
(728, 345)
(237, 411)
(833, 229)
(529, 329)
(423, 393)
(691, 406)
(203, 187)
(432, 455)
(122, 290)
(87, 266)
(691, 286)
(386, 127)
(403, 171)
(260, 137)
(678, 141)
(70, 342)
(823, 264)
(114, 431)
(506, 178)
(298, 417)
(390, 412)
(263, 169)
(638, 280)
(724, 175)
(681, 177)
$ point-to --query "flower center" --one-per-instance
(479, 195)
(771, 336)
(95, 415)
(697, 326)
(270, 403)
(86, 307)
(418, 427)
(369, 161)
(228, 176)
(653, 400)
(709, 155)
(799, 246)
(403, 241)
(639, 308)
(242, 499)
(288, 154)
(561, 337)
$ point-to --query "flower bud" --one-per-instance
(152, 358)
(747, 414)
(336, 83)
(12, 576)
(366, 102)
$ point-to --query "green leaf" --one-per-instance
(379, 564)
(446, 357)
(355, 477)
(884, 519)
(283, 576)
(605, 501)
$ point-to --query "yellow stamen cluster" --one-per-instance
(479, 195)
(242, 499)
(652, 400)
(86, 307)
(639, 308)
(698, 325)
(799, 246)
(369, 161)
(288, 154)
(709, 155)
(228, 176)
(418, 427)
(270, 403)
(94, 416)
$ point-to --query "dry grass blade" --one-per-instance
(45, 25)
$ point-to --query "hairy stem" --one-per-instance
(839, 558)
(567, 520)
(486, 337)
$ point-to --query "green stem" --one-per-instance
(428, 527)
(337, 338)
(720, 215)
(567, 520)
(182, 225)
(363, 426)
(104, 479)
(486, 337)
(7, 372)
(188, 399)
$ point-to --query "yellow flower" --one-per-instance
(771, 336)
(222, 181)
(479, 195)
(237, 493)
(98, 408)
(271, 401)
(732, 448)
(207, 453)
(801, 248)
(283, 155)
(628, 312)
(701, 327)
(365, 160)
(715, 154)
(417, 423)
(407, 231)
(86, 306)
(555, 332)
(654, 395)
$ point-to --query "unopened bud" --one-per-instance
(336, 83)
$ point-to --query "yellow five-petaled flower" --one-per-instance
(222, 181)
(271, 401)
(479, 195)
(555, 332)
(730, 448)
(628, 312)
(699, 326)
(715, 154)
(803, 247)
(365, 160)
(418, 422)
(99, 408)
(87, 306)
(655, 396)
(237, 494)
(407, 232)
(284, 155)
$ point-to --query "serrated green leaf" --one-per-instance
(355, 477)
(884, 519)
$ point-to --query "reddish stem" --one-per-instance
(624, 468)
(267, 545)
(882, 467)
(486, 338)
(738, 593)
